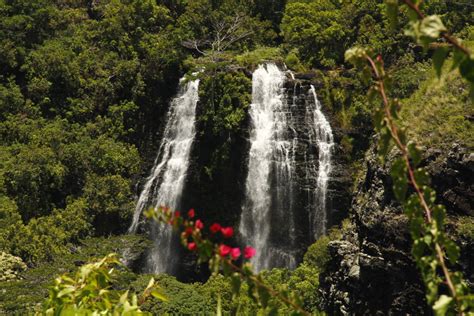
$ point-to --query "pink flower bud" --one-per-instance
(224, 250)
(199, 224)
(235, 253)
(249, 252)
(227, 232)
(215, 228)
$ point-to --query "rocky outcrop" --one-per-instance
(452, 176)
(371, 271)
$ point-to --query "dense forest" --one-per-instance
(86, 92)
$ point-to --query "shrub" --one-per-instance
(10, 267)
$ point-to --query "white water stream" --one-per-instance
(165, 183)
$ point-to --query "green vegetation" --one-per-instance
(447, 290)
(465, 227)
(90, 291)
(29, 290)
(437, 114)
(10, 267)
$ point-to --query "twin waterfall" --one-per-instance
(166, 181)
(275, 208)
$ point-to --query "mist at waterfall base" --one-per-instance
(288, 163)
(271, 212)
(164, 186)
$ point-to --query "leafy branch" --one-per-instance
(223, 258)
(431, 245)
(428, 29)
(89, 292)
(415, 7)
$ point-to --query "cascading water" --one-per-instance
(269, 185)
(321, 134)
(166, 180)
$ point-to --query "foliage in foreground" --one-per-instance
(89, 292)
(433, 250)
(197, 298)
(222, 258)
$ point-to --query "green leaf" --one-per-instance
(273, 311)
(236, 283)
(441, 306)
(431, 27)
(429, 195)
(400, 181)
(251, 291)
(150, 284)
(123, 297)
(356, 56)
(452, 251)
(263, 296)
(226, 268)
(415, 154)
(392, 12)
(384, 142)
(422, 177)
(458, 58)
(219, 305)
(66, 291)
(439, 214)
(418, 248)
(471, 92)
(467, 69)
(158, 295)
(438, 59)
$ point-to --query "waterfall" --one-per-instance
(269, 185)
(165, 183)
(321, 134)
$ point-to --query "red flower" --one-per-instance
(215, 228)
(199, 224)
(177, 214)
(235, 253)
(188, 231)
(224, 250)
(227, 232)
(191, 213)
(192, 246)
(249, 252)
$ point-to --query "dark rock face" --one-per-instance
(371, 271)
(452, 177)
(306, 154)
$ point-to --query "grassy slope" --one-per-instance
(440, 112)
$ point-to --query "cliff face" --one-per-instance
(371, 270)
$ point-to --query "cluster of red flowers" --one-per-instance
(235, 253)
(198, 226)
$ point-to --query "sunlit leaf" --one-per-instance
(441, 306)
